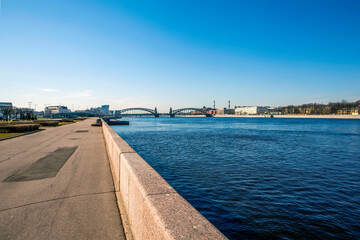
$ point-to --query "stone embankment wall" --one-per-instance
(151, 208)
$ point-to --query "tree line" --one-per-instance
(316, 108)
(22, 113)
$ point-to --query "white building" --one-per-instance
(250, 110)
(56, 109)
(104, 109)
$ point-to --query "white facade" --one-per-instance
(252, 110)
(56, 109)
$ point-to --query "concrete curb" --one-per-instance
(153, 209)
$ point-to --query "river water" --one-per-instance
(259, 178)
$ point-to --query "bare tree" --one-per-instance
(21, 112)
(7, 111)
(27, 113)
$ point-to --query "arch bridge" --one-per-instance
(138, 112)
(188, 111)
(145, 112)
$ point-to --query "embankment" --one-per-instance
(149, 206)
(294, 116)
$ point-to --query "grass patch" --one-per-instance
(64, 123)
(7, 135)
(58, 125)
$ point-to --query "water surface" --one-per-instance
(259, 178)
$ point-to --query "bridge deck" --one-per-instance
(58, 191)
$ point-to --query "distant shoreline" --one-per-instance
(294, 116)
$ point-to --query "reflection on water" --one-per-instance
(260, 178)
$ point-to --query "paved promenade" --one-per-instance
(57, 184)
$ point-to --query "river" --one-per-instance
(259, 178)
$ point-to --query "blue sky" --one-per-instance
(178, 53)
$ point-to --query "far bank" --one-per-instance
(294, 116)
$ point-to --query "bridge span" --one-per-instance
(144, 112)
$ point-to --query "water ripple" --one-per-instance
(260, 178)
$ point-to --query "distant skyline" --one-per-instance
(178, 53)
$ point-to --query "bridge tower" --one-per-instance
(156, 113)
(171, 113)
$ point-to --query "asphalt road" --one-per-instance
(57, 184)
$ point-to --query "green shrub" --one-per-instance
(16, 122)
(16, 128)
(48, 123)
(67, 120)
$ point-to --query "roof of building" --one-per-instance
(5, 104)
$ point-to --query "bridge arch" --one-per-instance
(151, 111)
(183, 110)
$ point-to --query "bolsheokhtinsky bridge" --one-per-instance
(144, 112)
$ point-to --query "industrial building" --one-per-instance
(223, 111)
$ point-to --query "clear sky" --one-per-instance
(178, 53)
